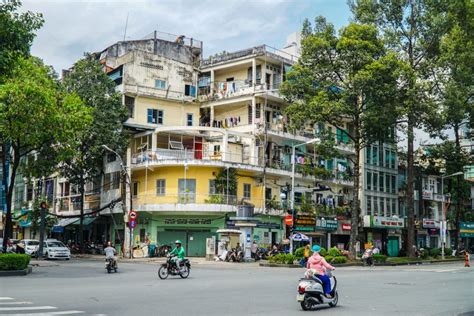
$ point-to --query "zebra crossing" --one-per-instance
(10, 306)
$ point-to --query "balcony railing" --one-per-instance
(231, 89)
(156, 93)
(189, 154)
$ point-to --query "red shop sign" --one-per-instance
(346, 226)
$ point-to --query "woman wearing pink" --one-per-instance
(319, 264)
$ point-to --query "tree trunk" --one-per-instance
(356, 206)
(459, 188)
(81, 218)
(410, 242)
(8, 233)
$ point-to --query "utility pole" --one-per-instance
(43, 209)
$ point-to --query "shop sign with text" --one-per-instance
(383, 222)
(430, 223)
(326, 224)
(466, 229)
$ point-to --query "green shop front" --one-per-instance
(384, 233)
(164, 229)
(466, 233)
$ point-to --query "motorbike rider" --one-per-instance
(179, 252)
(317, 263)
(110, 253)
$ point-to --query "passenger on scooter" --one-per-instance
(319, 264)
(179, 252)
(110, 253)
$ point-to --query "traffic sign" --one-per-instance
(132, 224)
(289, 220)
(133, 215)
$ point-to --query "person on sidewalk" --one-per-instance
(317, 263)
(306, 253)
(253, 250)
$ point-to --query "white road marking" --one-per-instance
(15, 303)
(7, 309)
(5, 298)
(49, 313)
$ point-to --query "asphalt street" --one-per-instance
(84, 287)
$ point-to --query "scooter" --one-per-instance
(111, 264)
(311, 293)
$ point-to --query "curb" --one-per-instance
(357, 264)
(16, 272)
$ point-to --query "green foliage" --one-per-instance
(334, 252)
(448, 252)
(215, 199)
(36, 216)
(435, 252)
(13, 261)
(339, 259)
(282, 258)
(329, 258)
(323, 252)
(273, 204)
(17, 31)
(226, 182)
(379, 258)
(299, 253)
(424, 253)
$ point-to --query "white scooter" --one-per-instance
(311, 292)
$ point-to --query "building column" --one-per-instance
(128, 238)
(212, 116)
(153, 141)
(212, 82)
(225, 140)
(254, 113)
(254, 73)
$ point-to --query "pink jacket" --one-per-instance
(318, 263)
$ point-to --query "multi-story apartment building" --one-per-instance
(382, 222)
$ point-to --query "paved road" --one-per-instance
(84, 287)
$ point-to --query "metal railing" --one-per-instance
(155, 156)
(197, 198)
(183, 40)
(231, 89)
(157, 93)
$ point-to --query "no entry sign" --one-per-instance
(289, 220)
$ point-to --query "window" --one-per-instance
(111, 157)
(387, 183)
(268, 193)
(135, 189)
(394, 185)
(247, 188)
(369, 180)
(189, 119)
(381, 182)
(376, 206)
(160, 84)
(389, 210)
(160, 187)
(155, 116)
(130, 104)
(394, 206)
(375, 154)
(369, 205)
(190, 90)
(187, 190)
(382, 207)
(65, 189)
(49, 190)
(212, 187)
(115, 180)
(376, 181)
(368, 154)
(342, 136)
(393, 159)
(217, 149)
(29, 192)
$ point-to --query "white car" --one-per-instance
(31, 246)
(54, 249)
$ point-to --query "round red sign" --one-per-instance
(289, 220)
(132, 215)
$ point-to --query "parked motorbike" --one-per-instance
(164, 250)
(234, 256)
(367, 258)
(261, 254)
(170, 268)
(110, 264)
(311, 293)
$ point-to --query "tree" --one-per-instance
(413, 29)
(346, 78)
(16, 34)
(86, 156)
(33, 113)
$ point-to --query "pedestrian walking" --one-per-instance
(466, 258)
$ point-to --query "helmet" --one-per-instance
(316, 248)
(178, 242)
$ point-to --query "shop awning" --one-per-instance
(66, 221)
(229, 231)
(85, 222)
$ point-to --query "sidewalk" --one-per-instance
(200, 261)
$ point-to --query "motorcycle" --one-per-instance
(170, 268)
(311, 293)
(261, 254)
(110, 264)
(234, 255)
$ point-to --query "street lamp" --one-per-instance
(124, 192)
(293, 165)
(443, 212)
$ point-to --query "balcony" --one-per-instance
(235, 89)
(153, 92)
(195, 157)
(194, 202)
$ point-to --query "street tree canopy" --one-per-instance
(349, 78)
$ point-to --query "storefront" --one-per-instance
(384, 233)
(268, 231)
(192, 230)
(305, 224)
(341, 237)
(466, 233)
(325, 227)
(431, 229)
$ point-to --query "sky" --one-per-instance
(73, 27)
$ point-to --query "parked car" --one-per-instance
(55, 249)
(31, 246)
